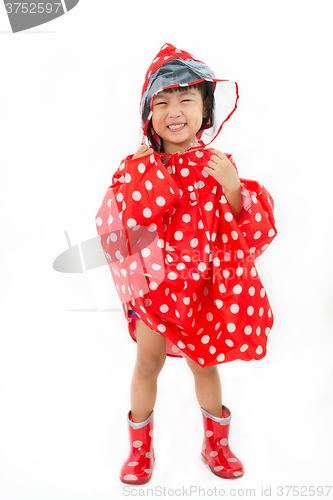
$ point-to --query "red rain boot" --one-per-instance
(138, 467)
(215, 448)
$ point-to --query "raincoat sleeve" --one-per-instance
(257, 223)
(142, 190)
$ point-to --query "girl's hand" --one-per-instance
(223, 171)
(143, 151)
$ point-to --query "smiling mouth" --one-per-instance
(176, 127)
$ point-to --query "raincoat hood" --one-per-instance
(174, 67)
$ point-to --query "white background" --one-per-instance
(69, 100)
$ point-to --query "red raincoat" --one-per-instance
(177, 256)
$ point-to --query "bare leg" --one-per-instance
(207, 387)
(151, 353)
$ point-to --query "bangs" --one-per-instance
(183, 88)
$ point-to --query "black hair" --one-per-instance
(207, 92)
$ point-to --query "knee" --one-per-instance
(150, 364)
(199, 371)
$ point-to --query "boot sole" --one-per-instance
(135, 482)
(216, 474)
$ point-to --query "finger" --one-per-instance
(146, 150)
(212, 164)
(215, 159)
(140, 151)
(219, 153)
(209, 170)
(143, 151)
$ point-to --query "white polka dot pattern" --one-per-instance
(170, 238)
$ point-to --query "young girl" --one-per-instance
(181, 232)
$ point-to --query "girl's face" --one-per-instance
(177, 117)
